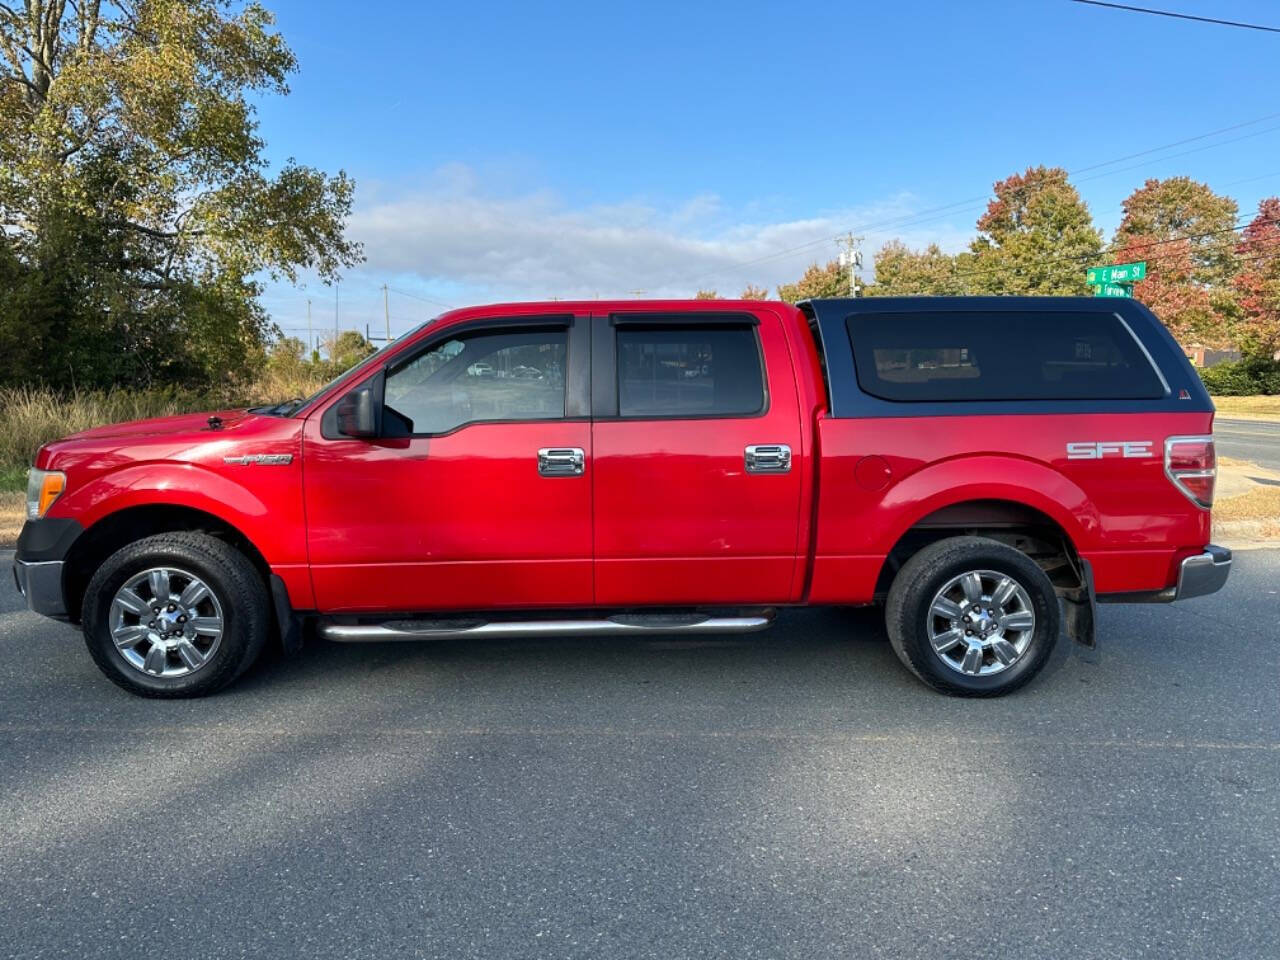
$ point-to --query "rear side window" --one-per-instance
(682, 370)
(1000, 356)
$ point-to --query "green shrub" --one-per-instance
(1243, 378)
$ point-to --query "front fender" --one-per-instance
(266, 508)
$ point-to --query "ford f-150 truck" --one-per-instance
(987, 468)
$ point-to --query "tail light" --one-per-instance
(1192, 467)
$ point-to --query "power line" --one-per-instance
(1179, 16)
(414, 296)
(927, 215)
(1143, 246)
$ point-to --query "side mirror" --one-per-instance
(359, 413)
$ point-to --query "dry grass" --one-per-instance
(1251, 517)
(1262, 408)
(13, 511)
(1260, 503)
(30, 417)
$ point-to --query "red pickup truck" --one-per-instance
(988, 468)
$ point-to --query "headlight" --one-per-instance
(43, 487)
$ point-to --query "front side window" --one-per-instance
(1000, 356)
(485, 375)
(689, 371)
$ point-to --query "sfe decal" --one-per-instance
(1109, 448)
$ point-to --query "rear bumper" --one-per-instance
(1204, 573)
(40, 583)
(1198, 576)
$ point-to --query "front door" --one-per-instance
(477, 495)
(696, 447)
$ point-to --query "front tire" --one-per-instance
(972, 617)
(175, 615)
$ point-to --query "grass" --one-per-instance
(30, 416)
(1260, 503)
(1264, 408)
(13, 511)
(1251, 516)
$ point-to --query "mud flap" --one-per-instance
(1080, 610)
(288, 622)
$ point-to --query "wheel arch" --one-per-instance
(1033, 531)
(114, 530)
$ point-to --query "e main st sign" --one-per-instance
(1116, 280)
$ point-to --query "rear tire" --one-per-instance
(175, 615)
(972, 617)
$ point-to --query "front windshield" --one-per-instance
(292, 407)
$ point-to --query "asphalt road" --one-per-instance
(1254, 440)
(787, 794)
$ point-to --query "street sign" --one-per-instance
(1118, 273)
(1112, 290)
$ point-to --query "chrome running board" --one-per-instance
(620, 625)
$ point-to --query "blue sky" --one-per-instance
(526, 151)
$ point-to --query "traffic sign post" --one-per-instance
(1117, 273)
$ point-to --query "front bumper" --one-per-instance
(1204, 573)
(43, 546)
(40, 582)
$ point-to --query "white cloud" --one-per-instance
(459, 241)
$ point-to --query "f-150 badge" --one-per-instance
(261, 459)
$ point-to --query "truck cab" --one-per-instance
(986, 468)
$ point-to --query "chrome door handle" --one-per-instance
(768, 458)
(561, 461)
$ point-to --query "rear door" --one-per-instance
(695, 443)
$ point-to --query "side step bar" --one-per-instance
(620, 625)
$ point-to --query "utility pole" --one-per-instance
(386, 311)
(335, 320)
(311, 345)
(851, 257)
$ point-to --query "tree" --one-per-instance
(901, 271)
(1186, 234)
(706, 295)
(1170, 290)
(752, 292)
(1036, 237)
(137, 207)
(1181, 207)
(1258, 282)
(287, 357)
(831, 280)
(348, 349)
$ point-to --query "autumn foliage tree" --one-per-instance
(1258, 282)
(138, 209)
(831, 280)
(1036, 237)
(901, 271)
(1186, 235)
